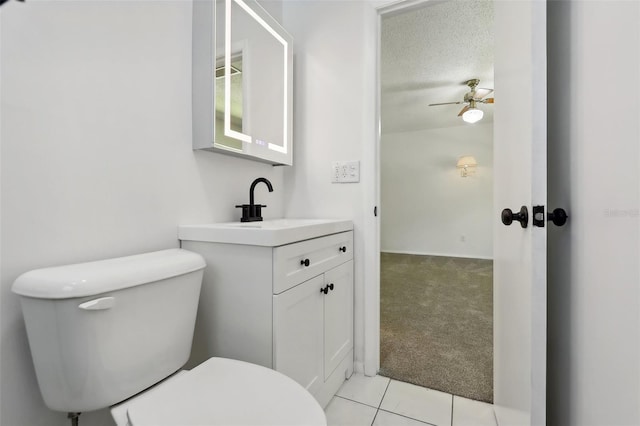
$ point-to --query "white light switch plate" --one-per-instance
(345, 171)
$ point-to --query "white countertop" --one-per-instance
(270, 233)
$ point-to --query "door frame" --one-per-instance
(372, 230)
(372, 201)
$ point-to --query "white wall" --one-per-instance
(333, 119)
(96, 156)
(426, 206)
(594, 152)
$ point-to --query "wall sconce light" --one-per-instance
(467, 165)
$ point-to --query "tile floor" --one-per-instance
(379, 401)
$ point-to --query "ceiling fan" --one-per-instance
(470, 113)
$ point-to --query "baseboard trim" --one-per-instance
(464, 256)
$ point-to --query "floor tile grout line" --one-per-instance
(357, 402)
(401, 415)
(374, 417)
(407, 417)
(495, 415)
(384, 393)
(380, 403)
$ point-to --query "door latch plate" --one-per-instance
(538, 216)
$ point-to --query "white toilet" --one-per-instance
(108, 334)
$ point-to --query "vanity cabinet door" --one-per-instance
(298, 333)
(338, 316)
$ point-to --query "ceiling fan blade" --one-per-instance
(463, 110)
(481, 93)
(486, 101)
(447, 103)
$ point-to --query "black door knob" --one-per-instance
(331, 286)
(343, 249)
(558, 217)
(522, 216)
(304, 262)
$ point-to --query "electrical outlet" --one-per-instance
(335, 172)
(345, 171)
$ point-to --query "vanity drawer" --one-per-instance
(298, 262)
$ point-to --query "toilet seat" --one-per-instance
(223, 391)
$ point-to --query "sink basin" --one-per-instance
(272, 233)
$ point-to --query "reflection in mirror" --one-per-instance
(250, 71)
(264, 56)
(235, 111)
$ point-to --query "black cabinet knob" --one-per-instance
(508, 216)
(326, 288)
(304, 262)
(558, 217)
(343, 249)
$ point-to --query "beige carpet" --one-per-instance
(436, 323)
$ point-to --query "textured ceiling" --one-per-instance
(426, 56)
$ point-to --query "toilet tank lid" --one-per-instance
(92, 278)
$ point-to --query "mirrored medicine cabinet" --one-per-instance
(242, 81)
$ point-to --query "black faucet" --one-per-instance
(252, 212)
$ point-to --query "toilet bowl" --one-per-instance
(116, 332)
(222, 391)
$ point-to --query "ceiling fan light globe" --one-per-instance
(472, 115)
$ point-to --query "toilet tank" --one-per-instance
(100, 332)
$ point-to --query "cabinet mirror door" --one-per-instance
(242, 81)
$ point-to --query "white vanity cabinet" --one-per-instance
(308, 350)
(267, 305)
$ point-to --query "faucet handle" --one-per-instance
(251, 213)
(256, 214)
(245, 211)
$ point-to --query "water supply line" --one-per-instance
(74, 418)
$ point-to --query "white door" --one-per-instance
(520, 171)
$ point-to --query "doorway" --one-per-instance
(436, 194)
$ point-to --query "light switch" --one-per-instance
(345, 171)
